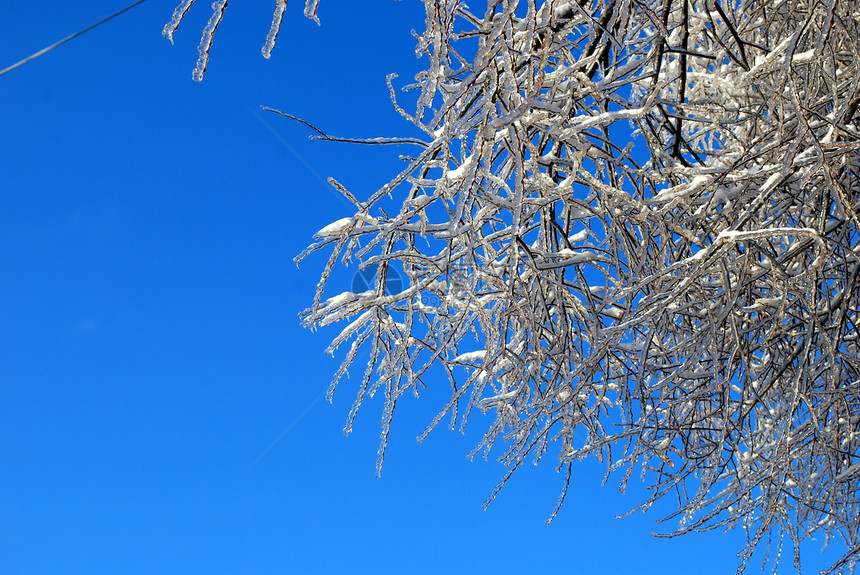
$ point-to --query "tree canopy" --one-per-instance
(681, 302)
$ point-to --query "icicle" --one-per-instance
(206, 41)
(311, 10)
(273, 31)
(178, 14)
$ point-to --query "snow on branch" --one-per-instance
(683, 302)
(687, 297)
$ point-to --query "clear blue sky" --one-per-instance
(149, 343)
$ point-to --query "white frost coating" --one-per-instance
(311, 10)
(690, 245)
(335, 228)
(774, 55)
(771, 182)
(340, 299)
(206, 41)
(584, 122)
(460, 172)
(687, 189)
(569, 257)
(578, 237)
(803, 57)
(419, 201)
(349, 330)
(613, 311)
(470, 357)
(171, 26)
(848, 473)
(280, 6)
(500, 398)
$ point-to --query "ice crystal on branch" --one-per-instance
(218, 8)
(683, 303)
(276, 26)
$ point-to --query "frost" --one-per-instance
(771, 182)
(614, 312)
(682, 303)
(849, 473)
(460, 172)
(803, 57)
(340, 299)
(335, 228)
(470, 357)
(349, 331)
(420, 201)
(578, 237)
(497, 399)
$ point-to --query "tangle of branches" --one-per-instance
(682, 303)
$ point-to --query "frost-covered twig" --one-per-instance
(684, 302)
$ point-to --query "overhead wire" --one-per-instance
(70, 37)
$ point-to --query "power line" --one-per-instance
(72, 37)
(290, 426)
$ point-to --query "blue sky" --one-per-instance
(150, 348)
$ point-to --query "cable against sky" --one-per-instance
(298, 156)
(290, 426)
(71, 37)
